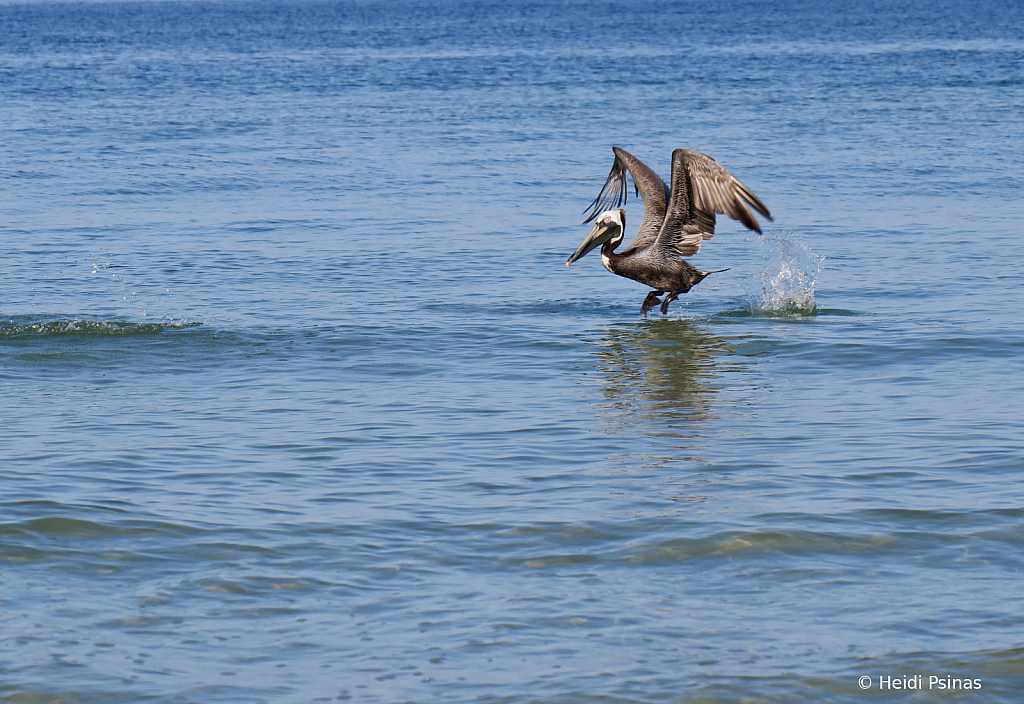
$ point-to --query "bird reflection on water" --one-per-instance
(665, 370)
(662, 381)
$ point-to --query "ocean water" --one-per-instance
(299, 402)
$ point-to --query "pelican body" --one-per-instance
(675, 221)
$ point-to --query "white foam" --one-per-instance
(789, 273)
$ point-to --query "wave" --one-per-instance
(22, 327)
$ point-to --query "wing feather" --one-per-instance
(648, 186)
(613, 193)
(701, 188)
(685, 244)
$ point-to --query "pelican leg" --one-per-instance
(673, 295)
(649, 302)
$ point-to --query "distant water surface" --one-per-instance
(299, 402)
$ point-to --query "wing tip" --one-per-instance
(614, 193)
(754, 201)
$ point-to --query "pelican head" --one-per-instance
(609, 227)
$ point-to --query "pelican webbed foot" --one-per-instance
(649, 302)
(673, 295)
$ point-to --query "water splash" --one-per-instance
(20, 327)
(785, 284)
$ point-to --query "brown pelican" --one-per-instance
(674, 224)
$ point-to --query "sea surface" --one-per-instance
(299, 403)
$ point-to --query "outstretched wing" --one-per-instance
(648, 186)
(701, 188)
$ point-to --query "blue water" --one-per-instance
(300, 404)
